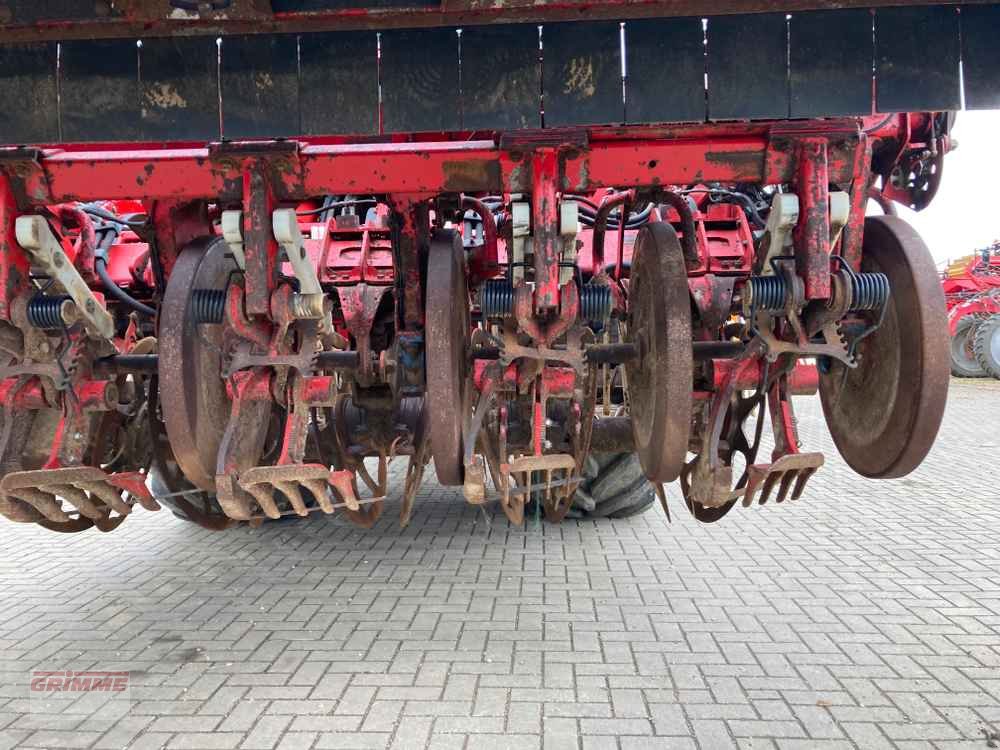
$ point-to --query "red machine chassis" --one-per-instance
(547, 350)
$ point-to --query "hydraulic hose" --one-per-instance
(110, 233)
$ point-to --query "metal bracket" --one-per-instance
(36, 237)
(781, 220)
(232, 233)
(309, 300)
(840, 211)
(28, 180)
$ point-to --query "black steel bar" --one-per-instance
(716, 350)
(140, 364)
(611, 354)
(337, 360)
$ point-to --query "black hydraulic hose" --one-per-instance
(743, 200)
(635, 220)
(100, 213)
(101, 268)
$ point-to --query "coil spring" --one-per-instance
(208, 305)
(869, 291)
(595, 303)
(496, 298)
(46, 312)
(767, 293)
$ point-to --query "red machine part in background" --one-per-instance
(972, 293)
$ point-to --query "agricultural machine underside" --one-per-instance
(558, 319)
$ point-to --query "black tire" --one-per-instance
(614, 486)
(963, 357)
(198, 507)
(986, 345)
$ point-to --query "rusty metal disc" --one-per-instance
(448, 328)
(885, 413)
(659, 381)
(193, 395)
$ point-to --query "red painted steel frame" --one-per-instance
(152, 17)
(638, 156)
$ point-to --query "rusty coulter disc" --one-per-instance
(193, 395)
(448, 325)
(885, 413)
(659, 382)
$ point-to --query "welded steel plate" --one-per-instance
(981, 56)
(339, 81)
(747, 67)
(916, 59)
(501, 85)
(179, 88)
(581, 74)
(665, 79)
(260, 86)
(830, 63)
(99, 90)
(29, 111)
(420, 81)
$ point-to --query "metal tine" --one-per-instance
(383, 474)
(18, 510)
(79, 500)
(753, 484)
(262, 493)
(366, 477)
(786, 481)
(318, 488)
(769, 481)
(343, 482)
(46, 504)
(804, 476)
(146, 501)
(110, 495)
(291, 491)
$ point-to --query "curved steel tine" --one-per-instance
(383, 475)
(79, 500)
(45, 503)
(318, 488)
(294, 495)
(109, 495)
(804, 476)
(786, 482)
(769, 481)
(750, 492)
(263, 494)
(343, 482)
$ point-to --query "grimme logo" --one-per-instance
(69, 681)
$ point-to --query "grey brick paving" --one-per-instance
(866, 616)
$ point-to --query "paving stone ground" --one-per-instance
(866, 615)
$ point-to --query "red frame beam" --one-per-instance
(149, 19)
(639, 156)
